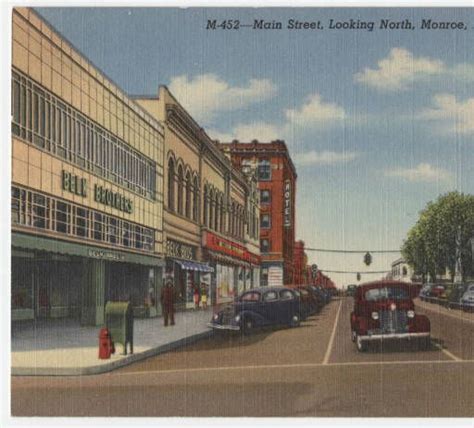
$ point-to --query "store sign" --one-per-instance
(74, 184)
(107, 255)
(287, 204)
(78, 186)
(215, 243)
(179, 250)
(112, 199)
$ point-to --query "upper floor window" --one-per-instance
(264, 170)
(265, 196)
(264, 245)
(171, 184)
(265, 221)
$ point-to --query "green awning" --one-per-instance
(39, 243)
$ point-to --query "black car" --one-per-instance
(260, 307)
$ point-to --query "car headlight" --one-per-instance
(215, 317)
(237, 318)
(411, 314)
(375, 315)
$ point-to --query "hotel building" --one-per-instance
(276, 176)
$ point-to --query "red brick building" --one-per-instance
(300, 273)
(276, 175)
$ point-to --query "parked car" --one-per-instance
(467, 300)
(318, 297)
(436, 291)
(425, 291)
(260, 307)
(454, 295)
(310, 303)
(384, 310)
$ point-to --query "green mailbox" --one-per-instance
(119, 322)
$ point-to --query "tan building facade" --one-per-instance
(208, 209)
(87, 184)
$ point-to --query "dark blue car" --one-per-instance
(260, 307)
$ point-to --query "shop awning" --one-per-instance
(201, 267)
(39, 243)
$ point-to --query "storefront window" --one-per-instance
(22, 285)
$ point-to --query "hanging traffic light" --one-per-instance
(368, 258)
(358, 277)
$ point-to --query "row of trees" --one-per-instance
(442, 235)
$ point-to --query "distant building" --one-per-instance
(276, 176)
(401, 271)
(300, 258)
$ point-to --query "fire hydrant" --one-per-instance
(106, 346)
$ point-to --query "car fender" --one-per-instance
(256, 318)
(422, 323)
(361, 325)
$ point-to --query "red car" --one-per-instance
(384, 310)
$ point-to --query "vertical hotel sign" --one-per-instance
(287, 203)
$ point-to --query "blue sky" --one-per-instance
(378, 123)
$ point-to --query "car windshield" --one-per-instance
(385, 293)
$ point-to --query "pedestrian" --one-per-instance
(167, 303)
(197, 297)
(204, 298)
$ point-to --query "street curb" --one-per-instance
(104, 368)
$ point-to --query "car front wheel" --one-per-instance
(362, 345)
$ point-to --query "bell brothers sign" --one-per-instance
(287, 204)
(78, 186)
(179, 250)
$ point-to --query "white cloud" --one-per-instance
(450, 114)
(400, 69)
(250, 131)
(314, 112)
(206, 95)
(323, 158)
(423, 172)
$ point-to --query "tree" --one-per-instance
(430, 247)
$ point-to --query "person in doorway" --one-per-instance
(197, 297)
(204, 297)
(167, 303)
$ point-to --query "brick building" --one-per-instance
(276, 175)
(300, 274)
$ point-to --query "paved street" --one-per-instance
(313, 370)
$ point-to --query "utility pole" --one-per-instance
(458, 265)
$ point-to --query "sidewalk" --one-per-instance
(64, 348)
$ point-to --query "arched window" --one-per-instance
(180, 189)
(206, 205)
(171, 184)
(188, 195)
(216, 214)
(211, 209)
(196, 199)
(222, 214)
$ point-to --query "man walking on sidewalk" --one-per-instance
(167, 302)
